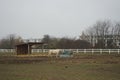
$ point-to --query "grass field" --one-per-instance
(80, 67)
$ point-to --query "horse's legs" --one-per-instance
(57, 55)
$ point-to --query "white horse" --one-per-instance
(54, 52)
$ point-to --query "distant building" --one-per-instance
(108, 40)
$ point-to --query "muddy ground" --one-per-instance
(106, 59)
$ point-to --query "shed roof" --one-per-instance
(29, 43)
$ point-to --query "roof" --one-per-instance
(30, 43)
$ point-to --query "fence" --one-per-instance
(7, 50)
(83, 51)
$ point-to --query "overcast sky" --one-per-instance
(59, 18)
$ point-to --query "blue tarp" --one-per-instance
(66, 54)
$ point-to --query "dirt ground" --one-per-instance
(79, 67)
(106, 59)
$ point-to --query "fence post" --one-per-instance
(100, 51)
(92, 51)
(77, 51)
(109, 51)
(118, 51)
(84, 51)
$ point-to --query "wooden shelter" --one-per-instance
(25, 48)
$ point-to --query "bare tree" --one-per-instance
(10, 41)
(98, 32)
(117, 29)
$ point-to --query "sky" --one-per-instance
(58, 18)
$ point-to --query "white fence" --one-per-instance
(7, 50)
(83, 51)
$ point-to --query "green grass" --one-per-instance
(82, 67)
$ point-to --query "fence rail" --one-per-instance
(83, 51)
(7, 50)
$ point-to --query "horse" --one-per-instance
(54, 52)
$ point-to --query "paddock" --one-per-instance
(96, 67)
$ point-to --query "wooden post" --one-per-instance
(100, 51)
(29, 52)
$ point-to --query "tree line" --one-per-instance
(65, 43)
(93, 37)
(10, 41)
